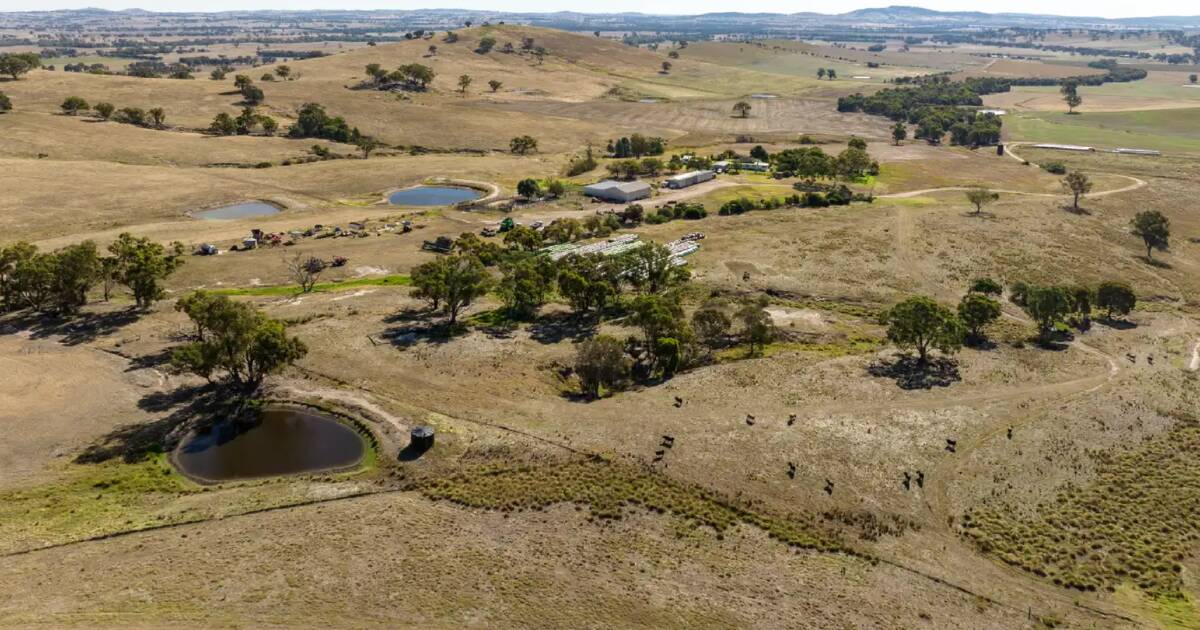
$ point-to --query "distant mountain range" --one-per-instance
(888, 18)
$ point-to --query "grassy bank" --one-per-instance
(395, 280)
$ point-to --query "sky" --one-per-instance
(1098, 8)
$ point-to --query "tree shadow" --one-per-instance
(1154, 262)
(1118, 324)
(558, 327)
(910, 373)
(187, 405)
(150, 361)
(1080, 210)
(74, 329)
(413, 327)
(577, 397)
(1055, 343)
(979, 343)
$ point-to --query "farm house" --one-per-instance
(683, 180)
(618, 192)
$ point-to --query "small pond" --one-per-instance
(433, 196)
(280, 441)
(239, 211)
(764, 95)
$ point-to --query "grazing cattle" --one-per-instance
(907, 481)
(1010, 433)
(791, 473)
(829, 487)
(668, 441)
(791, 419)
(952, 445)
(749, 419)
(920, 479)
(678, 402)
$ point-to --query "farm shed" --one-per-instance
(1063, 147)
(619, 192)
(683, 180)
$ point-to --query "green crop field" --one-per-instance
(1168, 130)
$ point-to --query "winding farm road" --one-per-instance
(1010, 152)
(1137, 183)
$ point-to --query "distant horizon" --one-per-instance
(1105, 9)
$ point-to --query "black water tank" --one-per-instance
(421, 438)
(999, 149)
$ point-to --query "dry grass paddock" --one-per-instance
(559, 515)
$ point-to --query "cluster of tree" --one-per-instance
(245, 123)
(836, 195)
(629, 169)
(155, 69)
(5, 103)
(60, 281)
(636, 146)
(314, 122)
(1051, 306)
(669, 341)
(972, 129)
(527, 279)
(413, 77)
(936, 106)
(530, 188)
(922, 324)
(690, 211)
(528, 45)
(155, 117)
(811, 163)
(251, 94)
(906, 103)
(92, 68)
(17, 64)
(234, 342)
(826, 73)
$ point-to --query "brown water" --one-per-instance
(281, 441)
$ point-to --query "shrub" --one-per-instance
(1056, 167)
(815, 200)
(840, 196)
(73, 105)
